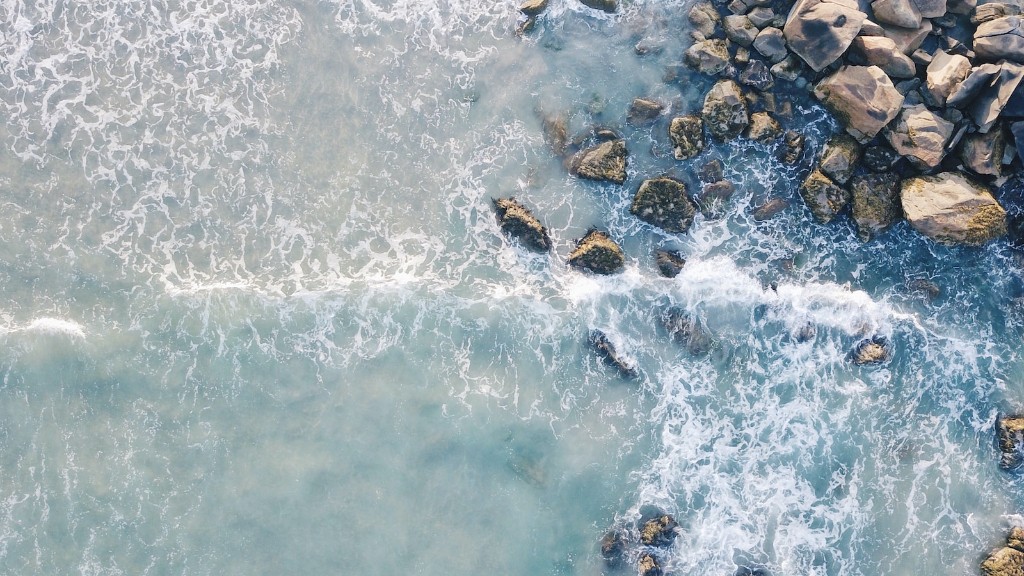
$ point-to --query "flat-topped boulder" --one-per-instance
(598, 253)
(1000, 38)
(663, 202)
(820, 31)
(603, 162)
(863, 98)
(518, 222)
(725, 110)
(920, 135)
(950, 208)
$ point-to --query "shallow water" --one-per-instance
(259, 318)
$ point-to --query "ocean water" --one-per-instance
(258, 316)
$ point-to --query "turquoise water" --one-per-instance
(258, 316)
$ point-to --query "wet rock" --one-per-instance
(518, 222)
(983, 153)
(647, 565)
(604, 162)
(761, 16)
(882, 52)
(1011, 441)
(643, 111)
(533, 7)
(793, 149)
(670, 262)
(739, 29)
(711, 171)
(876, 203)
(862, 98)
(950, 208)
(993, 11)
(839, 157)
(687, 136)
(613, 548)
(925, 287)
(714, 197)
(597, 253)
(663, 202)
(945, 72)
(725, 110)
(908, 39)
(687, 331)
(787, 69)
(599, 341)
(769, 209)
(708, 56)
(605, 5)
(806, 333)
(757, 76)
(555, 128)
(1008, 560)
(873, 350)
(660, 531)
(763, 128)
(879, 158)
(1000, 38)
(771, 43)
(823, 196)
(896, 12)
(705, 18)
(820, 31)
(921, 136)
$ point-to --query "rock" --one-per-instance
(788, 69)
(769, 209)
(876, 203)
(819, 31)
(647, 565)
(921, 136)
(1006, 561)
(771, 43)
(793, 150)
(525, 26)
(597, 253)
(983, 153)
(873, 350)
(1011, 440)
(869, 28)
(599, 341)
(714, 196)
(533, 7)
(687, 136)
(613, 548)
(555, 128)
(925, 287)
(961, 7)
(1001, 38)
(950, 208)
(708, 56)
(945, 72)
(705, 19)
(605, 5)
(670, 263)
(742, 57)
(763, 128)
(643, 111)
(979, 79)
(839, 157)
(687, 331)
(518, 222)
(862, 97)
(931, 8)
(987, 106)
(604, 162)
(896, 12)
(993, 11)
(660, 531)
(725, 110)
(663, 202)
(879, 158)
(882, 52)
(908, 39)
(757, 76)
(739, 29)
(761, 16)
(823, 196)
(922, 58)
(711, 171)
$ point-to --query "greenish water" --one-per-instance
(258, 317)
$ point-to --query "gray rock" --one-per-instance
(921, 57)
(761, 16)
(643, 111)
(921, 136)
(533, 7)
(725, 110)
(555, 128)
(896, 12)
(663, 202)
(689, 332)
(739, 29)
(980, 78)
(605, 5)
(1000, 38)
(862, 97)
(992, 11)
(931, 8)
(881, 51)
(757, 76)
(823, 196)
(597, 253)
(771, 43)
(518, 222)
(880, 158)
(670, 263)
(711, 171)
(987, 106)
(605, 349)
(714, 197)
(687, 136)
(983, 153)
(708, 56)
(908, 39)
(950, 208)
(869, 28)
(820, 31)
(704, 17)
(604, 162)
(945, 72)
(788, 69)
(961, 7)
(613, 548)
(876, 204)
(839, 157)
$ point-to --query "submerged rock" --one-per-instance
(1011, 440)
(597, 253)
(687, 136)
(660, 531)
(862, 98)
(725, 110)
(769, 209)
(876, 204)
(711, 171)
(663, 202)
(643, 111)
(823, 196)
(925, 287)
(670, 262)
(950, 208)
(599, 341)
(604, 162)
(713, 198)
(793, 150)
(873, 350)
(687, 331)
(555, 128)
(613, 548)
(518, 222)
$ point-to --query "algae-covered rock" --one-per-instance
(1008, 560)
(824, 197)
(669, 262)
(518, 222)
(603, 162)
(647, 565)
(876, 203)
(687, 136)
(839, 157)
(659, 531)
(597, 253)
(725, 110)
(871, 351)
(763, 128)
(663, 202)
(709, 56)
(950, 208)
(613, 548)
(688, 331)
(643, 110)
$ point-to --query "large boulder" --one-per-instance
(908, 39)
(725, 110)
(945, 72)
(708, 56)
(763, 128)
(739, 29)
(771, 43)
(839, 157)
(1011, 440)
(597, 253)
(992, 11)
(862, 97)
(705, 18)
(882, 52)
(687, 136)
(1006, 561)
(824, 197)
(663, 202)
(950, 208)
(820, 31)
(896, 12)
(876, 203)
(659, 531)
(604, 162)
(983, 153)
(1001, 38)
(989, 104)
(921, 136)
(874, 350)
(647, 565)
(518, 222)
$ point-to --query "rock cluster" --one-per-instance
(1008, 560)
(654, 535)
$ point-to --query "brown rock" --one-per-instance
(533, 7)
(771, 43)
(875, 350)
(862, 97)
(739, 29)
(882, 52)
(769, 209)
(992, 11)
(839, 157)
(820, 31)
(597, 253)
(647, 565)
(1004, 562)
(896, 12)
(950, 208)
(517, 221)
(823, 196)
(725, 110)
(1011, 440)
(670, 262)
(708, 56)
(705, 18)
(876, 203)
(921, 136)
(908, 39)
(687, 136)
(945, 72)
(794, 147)
(604, 162)
(663, 202)
(605, 5)
(983, 153)
(643, 111)
(763, 128)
